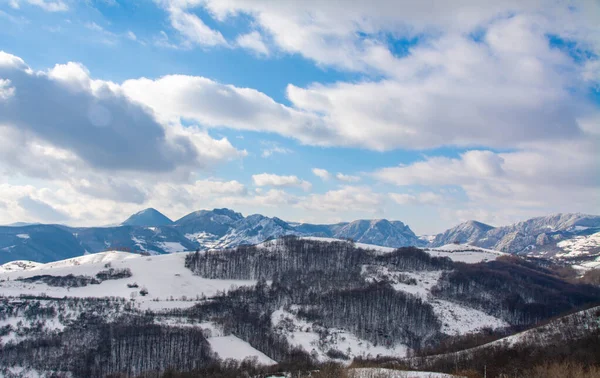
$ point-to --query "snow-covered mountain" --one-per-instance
(538, 236)
(148, 217)
(150, 231)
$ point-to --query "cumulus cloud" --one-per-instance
(268, 179)
(541, 177)
(94, 121)
(347, 178)
(355, 198)
(213, 104)
(504, 87)
(253, 41)
(321, 173)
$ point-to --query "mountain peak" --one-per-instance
(148, 217)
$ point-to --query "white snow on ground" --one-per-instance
(171, 247)
(307, 335)
(20, 371)
(579, 245)
(460, 320)
(595, 264)
(581, 324)
(92, 258)
(465, 253)
(425, 280)
(456, 319)
(19, 265)
(164, 276)
(232, 347)
(389, 373)
(23, 236)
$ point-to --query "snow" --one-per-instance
(166, 278)
(465, 253)
(580, 245)
(231, 347)
(389, 373)
(456, 319)
(304, 334)
(459, 320)
(171, 247)
(23, 236)
(18, 265)
(426, 280)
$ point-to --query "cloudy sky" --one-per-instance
(430, 112)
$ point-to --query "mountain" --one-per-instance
(379, 232)
(148, 217)
(150, 231)
(289, 299)
(468, 232)
(539, 236)
(40, 243)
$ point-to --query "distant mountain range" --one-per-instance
(151, 231)
(541, 236)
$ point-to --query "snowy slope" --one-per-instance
(464, 253)
(579, 324)
(231, 347)
(18, 265)
(164, 276)
(580, 246)
(389, 373)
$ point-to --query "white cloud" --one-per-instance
(214, 104)
(540, 178)
(503, 88)
(323, 174)
(47, 5)
(347, 178)
(348, 198)
(96, 123)
(193, 29)
(253, 41)
(268, 179)
(272, 148)
(424, 198)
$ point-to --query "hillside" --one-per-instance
(324, 299)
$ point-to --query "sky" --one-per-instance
(432, 113)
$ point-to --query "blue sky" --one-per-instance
(309, 111)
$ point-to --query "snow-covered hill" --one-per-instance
(164, 276)
(539, 236)
(18, 265)
(169, 284)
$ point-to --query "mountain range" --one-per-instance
(152, 232)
